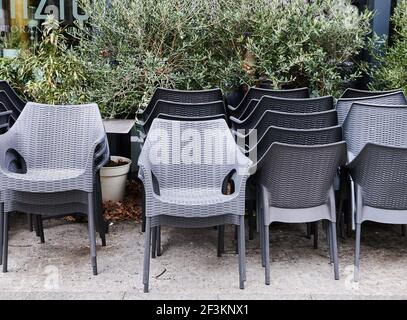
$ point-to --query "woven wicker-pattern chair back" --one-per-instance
(381, 171)
(343, 105)
(198, 154)
(300, 176)
(185, 110)
(58, 136)
(377, 124)
(351, 93)
(297, 137)
(246, 105)
(316, 120)
(185, 96)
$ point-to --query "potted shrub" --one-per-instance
(113, 177)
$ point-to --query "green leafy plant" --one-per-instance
(391, 69)
(131, 47)
(11, 40)
(50, 72)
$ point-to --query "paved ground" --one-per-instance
(189, 267)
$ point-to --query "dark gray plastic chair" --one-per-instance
(184, 96)
(168, 186)
(351, 93)
(296, 186)
(184, 110)
(11, 101)
(266, 103)
(4, 121)
(380, 176)
(295, 136)
(343, 105)
(315, 120)
(59, 146)
(258, 93)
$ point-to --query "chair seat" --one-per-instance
(46, 175)
(193, 196)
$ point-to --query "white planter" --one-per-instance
(10, 53)
(113, 180)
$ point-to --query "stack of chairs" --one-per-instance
(192, 194)
(343, 106)
(297, 147)
(10, 101)
(375, 130)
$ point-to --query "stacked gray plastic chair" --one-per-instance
(186, 110)
(4, 121)
(266, 103)
(380, 176)
(62, 148)
(10, 101)
(256, 94)
(296, 186)
(183, 96)
(351, 93)
(343, 105)
(168, 185)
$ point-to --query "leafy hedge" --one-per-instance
(127, 49)
(391, 71)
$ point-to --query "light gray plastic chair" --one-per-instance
(59, 146)
(257, 93)
(169, 183)
(376, 123)
(380, 176)
(343, 105)
(296, 186)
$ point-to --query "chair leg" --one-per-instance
(221, 240)
(36, 226)
(357, 251)
(5, 239)
(158, 241)
(308, 231)
(1, 231)
(143, 212)
(261, 225)
(100, 221)
(329, 240)
(40, 228)
(154, 243)
(315, 229)
(237, 239)
(250, 220)
(30, 222)
(403, 230)
(242, 256)
(267, 254)
(92, 235)
(334, 249)
(147, 246)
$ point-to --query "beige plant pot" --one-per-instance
(113, 180)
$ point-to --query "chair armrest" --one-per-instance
(8, 141)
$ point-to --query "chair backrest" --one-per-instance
(245, 106)
(300, 176)
(315, 120)
(296, 105)
(185, 96)
(343, 105)
(351, 93)
(7, 104)
(184, 110)
(285, 105)
(58, 136)
(181, 118)
(190, 154)
(4, 121)
(15, 98)
(381, 171)
(380, 124)
(297, 137)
